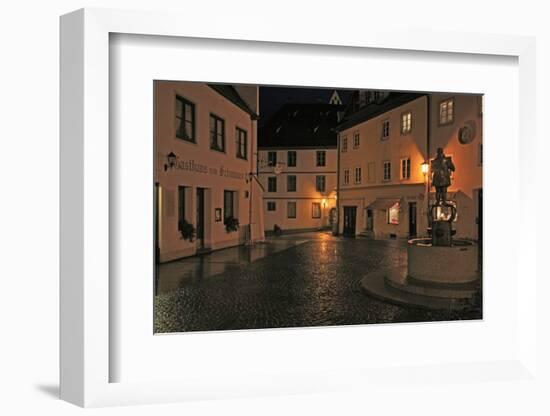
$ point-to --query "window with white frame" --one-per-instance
(241, 143)
(217, 133)
(357, 175)
(291, 158)
(387, 170)
(405, 168)
(185, 119)
(446, 111)
(356, 140)
(272, 184)
(321, 158)
(385, 129)
(406, 122)
(344, 144)
(320, 183)
(346, 176)
(291, 183)
(315, 210)
(272, 158)
(291, 209)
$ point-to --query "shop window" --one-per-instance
(217, 133)
(393, 214)
(241, 143)
(291, 209)
(315, 210)
(229, 204)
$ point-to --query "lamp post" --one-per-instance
(425, 166)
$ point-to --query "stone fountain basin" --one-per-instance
(446, 265)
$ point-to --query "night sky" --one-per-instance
(272, 98)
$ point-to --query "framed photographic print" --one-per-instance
(215, 215)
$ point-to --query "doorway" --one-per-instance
(370, 220)
(200, 218)
(412, 219)
(350, 214)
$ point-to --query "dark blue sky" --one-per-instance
(272, 98)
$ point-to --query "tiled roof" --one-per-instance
(229, 92)
(301, 125)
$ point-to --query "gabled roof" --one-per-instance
(229, 92)
(356, 113)
(301, 125)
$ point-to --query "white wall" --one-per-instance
(29, 209)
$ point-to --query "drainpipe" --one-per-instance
(428, 139)
(249, 242)
(337, 185)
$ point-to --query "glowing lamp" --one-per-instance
(425, 167)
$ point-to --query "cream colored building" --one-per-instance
(384, 139)
(205, 146)
(297, 164)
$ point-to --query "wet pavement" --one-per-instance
(298, 280)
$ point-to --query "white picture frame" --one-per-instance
(86, 353)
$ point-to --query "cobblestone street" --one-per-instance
(297, 280)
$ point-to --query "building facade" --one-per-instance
(206, 195)
(297, 164)
(386, 141)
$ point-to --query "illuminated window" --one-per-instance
(385, 129)
(387, 170)
(217, 133)
(356, 140)
(271, 206)
(291, 209)
(185, 119)
(344, 144)
(321, 158)
(346, 176)
(405, 169)
(406, 123)
(315, 210)
(357, 175)
(446, 111)
(393, 214)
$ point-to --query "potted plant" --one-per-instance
(187, 230)
(231, 224)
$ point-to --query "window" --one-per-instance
(315, 210)
(385, 129)
(185, 119)
(228, 204)
(271, 206)
(291, 158)
(320, 183)
(321, 158)
(272, 184)
(387, 170)
(291, 183)
(346, 176)
(406, 168)
(344, 144)
(291, 209)
(406, 122)
(357, 175)
(181, 206)
(371, 172)
(272, 158)
(356, 140)
(241, 143)
(480, 155)
(217, 133)
(446, 111)
(393, 214)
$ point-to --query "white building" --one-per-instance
(298, 166)
(205, 145)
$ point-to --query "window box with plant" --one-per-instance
(187, 230)
(231, 224)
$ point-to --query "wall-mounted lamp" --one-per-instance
(324, 202)
(171, 158)
(425, 167)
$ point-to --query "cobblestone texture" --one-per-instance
(314, 283)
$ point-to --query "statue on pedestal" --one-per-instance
(442, 166)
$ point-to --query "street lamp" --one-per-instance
(425, 166)
(172, 159)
